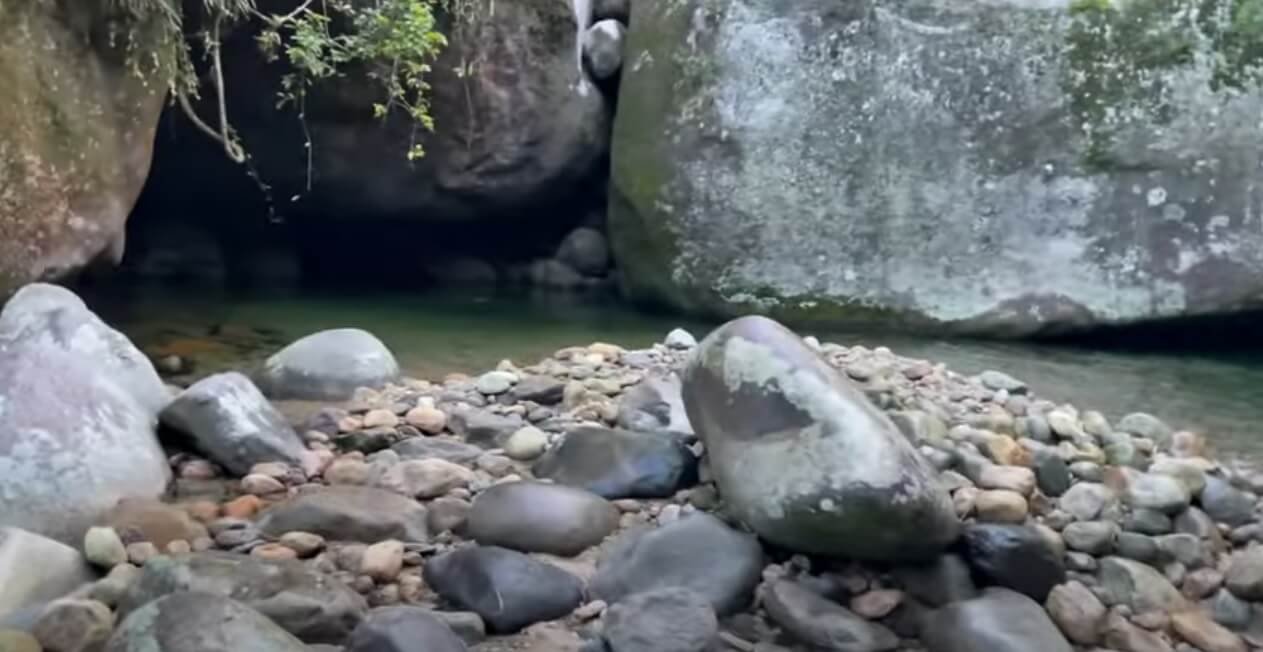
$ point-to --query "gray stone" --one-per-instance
(444, 448)
(1015, 557)
(1137, 585)
(1121, 634)
(1229, 610)
(1088, 471)
(1245, 574)
(1085, 500)
(1000, 381)
(603, 50)
(1077, 611)
(663, 620)
(585, 249)
(348, 513)
(999, 621)
(495, 382)
(200, 622)
(803, 457)
(539, 517)
(103, 547)
(311, 605)
(447, 514)
(1145, 425)
(403, 629)
(328, 366)
(230, 421)
(79, 404)
(1137, 546)
(942, 581)
(1092, 537)
(74, 625)
(655, 403)
(621, 463)
(507, 588)
(697, 552)
(823, 624)
(1225, 503)
(544, 390)
(680, 339)
(1148, 521)
(619, 10)
(484, 428)
(1183, 548)
(465, 624)
(35, 569)
(1160, 492)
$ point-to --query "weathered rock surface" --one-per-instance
(79, 404)
(329, 365)
(999, 621)
(539, 517)
(507, 588)
(200, 622)
(620, 463)
(1038, 183)
(349, 513)
(803, 457)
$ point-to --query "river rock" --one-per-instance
(507, 588)
(663, 620)
(311, 605)
(1137, 585)
(1155, 491)
(200, 622)
(79, 404)
(655, 403)
(1197, 628)
(484, 428)
(103, 547)
(425, 478)
(229, 419)
(1148, 521)
(328, 366)
(74, 625)
(620, 463)
(822, 624)
(526, 444)
(1093, 537)
(1225, 503)
(544, 390)
(1145, 425)
(585, 248)
(697, 552)
(539, 517)
(403, 629)
(999, 621)
(1015, 557)
(803, 457)
(1121, 634)
(942, 581)
(348, 513)
(1077, 611)
(603, 48)
(1245, 574)
(443, 448)
(35, 569)
(1085, 500)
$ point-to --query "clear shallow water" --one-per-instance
(436, 334)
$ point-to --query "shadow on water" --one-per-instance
(1216, 389)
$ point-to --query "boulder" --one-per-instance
(539, 517)
(231, 421)
(620, 463)
(328, 366)
(35, 570)
(348, 513)
(403, 629)
(200, 622)
(1016, 557)
(697, 552)
(665, 620)
(802, 456)
(79, 404)
(311, 605)
(970, 167)
(998, 621)
(507, 588)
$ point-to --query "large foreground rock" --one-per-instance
(78, 407)
(348, 513)
(803, 457)
(994, 168)
(328, 366)
(998, 621)
(35, 570)
(311, 605)
(200, 622)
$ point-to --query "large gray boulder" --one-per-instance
(1000, 168)
(78, 409)
(328, 366)
(803, 457)
(232, 422)
(200, 622)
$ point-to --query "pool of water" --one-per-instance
(435, 334)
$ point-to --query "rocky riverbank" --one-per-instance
(754, 491)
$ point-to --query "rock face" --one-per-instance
(231, 421)
(200, 622)
(328, 365)
(507, 588)
(539, 517)
(803, 457)
(79, 404)
(620, 463)
(999, 621)
(853, 165)
(350, 514)
(313, 606)
(78, 128)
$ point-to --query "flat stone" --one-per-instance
(328, 366)
(544, 390)
(526, 444)
(1225, 503)
(443, 448)
(103, 547)
(483, 428)
(662, 620)
(1197, 628)
(1012, 478)
(425, 478)
(1000, 506)
(1148, 521)
(1123, 636)
(1245, 574)
(945, 580)
(36, 569)
(1163, 493)
(1092, 537)
(539, 517)
(349, 514)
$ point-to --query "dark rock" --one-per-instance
(200, 622)
(803, 458)
(507, 588)
(585, 248)
(1225, 503)
(655, 403)
(447, 515)
(311, 605)
(444, 448)
(823, 624)
(1052, 474)
(620, 463)
(619, 10)
(942, 581)
(1015, 557)
(403, 629)
(328, 366)
(1137, 546)
(544, 390)
(1245, 574)
(1148, 521)
(999, 621)
(483, 428)
(663, 620)
(1137, 585)
(603, 49)
(539, 517)
(465, 624)
(348, 513)
(697, 552)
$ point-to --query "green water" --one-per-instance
(436, 334)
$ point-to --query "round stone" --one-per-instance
(526, 444)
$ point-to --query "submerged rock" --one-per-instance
(620, 463)
(328, 366)
(507, 588)
(200, 622)
(803, 457)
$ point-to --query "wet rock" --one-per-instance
(1225, 503)
(1139, 586)
(944, 580)
(1052, 474)
(328, 366)
(1015, 557)
(820, 623)
(585, 249)
(539, 517)
(74, 625)
(443, 448)
(663, 620)
(200, 622)
(483, 428)
(507, 588)
(655, 403)
(697, 552)
(751, 388)
(620, 463)
(998, 621)
(35, 569)
(403, 629)
(1077, 611)
(425, 478)
(350, 514)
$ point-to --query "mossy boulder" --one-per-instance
(83, 84)
(1006, 169)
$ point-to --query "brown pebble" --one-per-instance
(179, 547)
(203, 511)
(876, 604)
(274, 552)
(243, 507)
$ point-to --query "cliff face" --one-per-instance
(83, 89)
